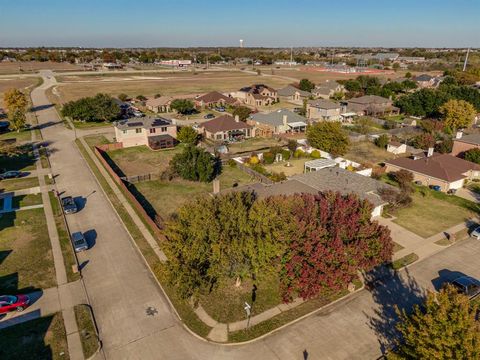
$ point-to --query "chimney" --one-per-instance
(284, 118)
(216, 186)
(459, 134)
(237, 118)
(430, 152)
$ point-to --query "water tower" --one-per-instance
(241, 43)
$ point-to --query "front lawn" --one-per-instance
(26, 252)
(432, 212)
(17, 184)
(43, 339)
(167, 196)
(91, 125)
(24, 135)
(26, 200)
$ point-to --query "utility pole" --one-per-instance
(291, 56)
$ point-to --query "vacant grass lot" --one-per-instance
(178, 84)
(167, 196)
(34, 66)
(366, 152)
(434, 212)
(43, 339)
(17, 184)
(27, 256)
(254, 144)
(17, 83)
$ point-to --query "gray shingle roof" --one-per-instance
(324, 104)
(275, 118)
(470, 139)
(145, 122)
(290, 90)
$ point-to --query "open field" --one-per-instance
(34, 66)
(178, 84)
(165, 197)
(367, 152)
(432, 212)
(43, 339)
(17, 83)
(27, 261)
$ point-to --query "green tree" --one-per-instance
(101, 107)
(445, 146)
(443, 328)
(472, 155)
(306, 85)
(457, 114)
(16, 103)
(382, 141)
(187, 135)
(195, 164)
(122, 97)
(243, 112)
(182, 106)
(329, 137)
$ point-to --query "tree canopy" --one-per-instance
(101, 107)
(443, 328)
(16, 103)
(329, 137)
(183, 106)
(306, 85)
(195, 164)
(472, 155)
(457, 114)
(187, 135)
(243, 112)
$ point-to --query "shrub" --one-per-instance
(299, 153)
(232, 163)
(253, 160)
(277, 177)
(187, 135)
(292, 145)
(268, 158)
(195, 164)
(472, 155)
(286, 154)
(123, 97)
(382, 141)
(315, 154)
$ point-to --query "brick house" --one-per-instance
(277, 122)
(156, 133)
(371, 105)
(463, 143)
(326, 89)
(291, 93)
(213, 99)
(160, 104)
(258, 95)
(322, 109)
(226, 128)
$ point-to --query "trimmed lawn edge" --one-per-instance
(404, 261)
(87, 330)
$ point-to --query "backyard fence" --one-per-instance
(154, 225)
(139, 178)
(260, 177)
(111, 146)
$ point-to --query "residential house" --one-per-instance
(371, 105)
(277, 122)
(447, 171)
(326, 89)
(226, 128)
(291, 93)
(463, 143)
(326, 179)
(321, 109)
(160, 104)
(156, 133)
(396, 147)
(427, 81)
(258, 95)
(213, 99)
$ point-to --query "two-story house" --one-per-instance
(258, 95)
(322, 109)
(156, 133)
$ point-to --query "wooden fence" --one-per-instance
(153, 225)
(260, 177)
(110, 146)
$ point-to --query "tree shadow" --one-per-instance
(147, 206)
(390, 290)
(47, 124)
(41, 107)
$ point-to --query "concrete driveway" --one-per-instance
(120, 287)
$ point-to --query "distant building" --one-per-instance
(258, 95)
(112, 66)
(277, 122)
(322, 109)
(326, 89)
(176, 63)
(371, 105)
(226, 128)
(214, 98)
(156, 133)
(291, 93)
(160, 104)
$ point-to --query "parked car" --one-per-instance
(68, 204)
(476, 233)
(467, 286)
(10, 174)
(435, 187)
(220, 109)
(137, 113)
(79, 242)
(13, 302)
(209, 116)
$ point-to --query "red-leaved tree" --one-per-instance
(334, 238)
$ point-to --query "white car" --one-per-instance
(476, 233)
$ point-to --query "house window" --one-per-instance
(153, 131)
(138, 131)
(125, 131)
(219, 137)
(164, 129)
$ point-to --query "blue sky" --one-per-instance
(280, 23)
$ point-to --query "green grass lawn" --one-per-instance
(296, 168)
(65, 243)
(140, 160)
(254, 144)
(27, 256)
(93, 140)
(432, 212)
(167, 196)
(91, 125)
(20, 137)
(26, 200)
(88, 334)
(226, 303)
(17, 184)
(41, 339)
